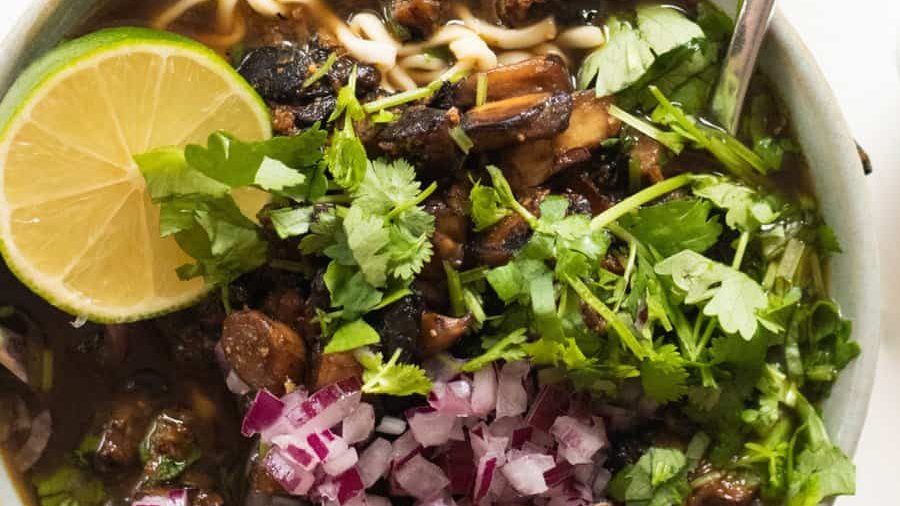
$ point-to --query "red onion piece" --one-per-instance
(264, 411)
(302, 456)
(562, 472)
(290, 475)
(484, 391)
(504, 427)
(327, 407)
(420, 478)
(525, 473)
(578, 441)
(484, 475)
(431, 428)
(359, 425)
(177, 497)
(404, 448)
(31, 451)
(339, 463)
(550, 403)
(601, 481)
(350, 485)
(483, 443)
(391, 426)
(375, 461)
(440, 500)
(443, 367)
(512, 399)
(453, 398)
(456, 462)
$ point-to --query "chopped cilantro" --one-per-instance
(391, 378)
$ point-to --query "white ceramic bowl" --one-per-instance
(830, 149)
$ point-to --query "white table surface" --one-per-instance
(856, 43)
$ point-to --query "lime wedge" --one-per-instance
(76, 223)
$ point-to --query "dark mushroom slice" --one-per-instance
(421, 135)
(521, 12)
(451, 230)
(285, 305)
(542, 74)
(277, 72)
(401, 327)
(721, 488)
(517, 120)
(649, 156)
(497, 245)
(333, 367)
(532, 164)
(121, 432)
(440, 332)
(421, 17)
(263, 352)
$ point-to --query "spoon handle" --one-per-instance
(749, 32)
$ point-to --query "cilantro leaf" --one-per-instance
(670, 227)
(169, 176)
(386, 185)
(485, 208)
(819, 474)
(620, 62)
(391, 378)
(350, 336)
(659, 478)
(666, 28)
(346, 158)
(507, 349)
(408, 252)
(291, 222)
(730, 295)
(367, 237)
(746, 209)
(350, 291)
(663, 374)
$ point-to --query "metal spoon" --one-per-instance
(749, 32)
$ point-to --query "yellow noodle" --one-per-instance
(509, 38)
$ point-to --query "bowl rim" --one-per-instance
(29, 37)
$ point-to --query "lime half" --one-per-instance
(76, 223)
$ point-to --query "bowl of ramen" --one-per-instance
(335, 252)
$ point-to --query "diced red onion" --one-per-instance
(290, 475)
(512, 399)
(236, 385)
(578, 441)
(341, 462)
(525, 473)
(177, 497)
(375, 461)
(562, 472)
(484, 475)
(453, 398)
(350, 485)
(584, 473)
(31, 451)
(504, 427)
(327, 407)
(551, 402)
(404, 448)
(457, 433)
(456, 462)
(484, 391)
(359, 425)
(391, 426)
(420, 478)
(519, 437)
(302, 456)
(483, 443)
(264, 411)
(431, 428)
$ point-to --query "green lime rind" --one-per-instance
(66, 56)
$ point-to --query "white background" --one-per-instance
(856, 43)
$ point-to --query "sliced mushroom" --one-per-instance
(532, 164)
(334, 367)
(649, 156)
(13, 353)
(420, 16)
(517, 120)
(497, 245)
(422, 136)
(440, 332)
(263, 352)
(451, 230)
(543, 74)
